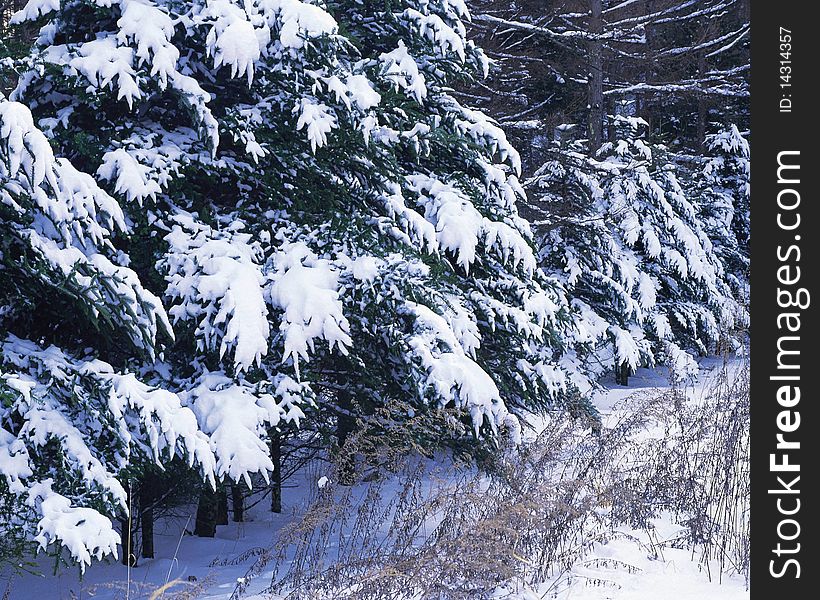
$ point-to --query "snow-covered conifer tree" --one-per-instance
(723, 187)
(70, 423)
(327, 225)
(629, 246)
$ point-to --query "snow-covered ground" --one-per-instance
(636, 566)
(624, 564)
(658, 379)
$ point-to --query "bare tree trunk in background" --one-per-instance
(646, 111)
(703, 109)
(707, 32)
(622, 373)
(596, 77)
(127, 542)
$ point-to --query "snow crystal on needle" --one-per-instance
(541, 308)
(433, 27)
(48, 421)
(213, 276)
(551, 377)
(235, 421)
(237, 416)
(130, 177)
(69, 223)
(464, 326)
(152, 30)
(123, 289)
(681, 363)
(420, 233)
(730, 140)
(145, 163)
(458, 223)
(647, 291)
(102, 61)
(362, 92)
(34, 9)
(482, 130)
(170, 427)
(15, 465)
(198, 99)
(71, 202)
(626, 348)
(139, 419)
(365, 268)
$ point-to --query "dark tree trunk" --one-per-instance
(275, 444)
(147, 497)
(128, 557)
(128, 554)
(222, 506)
(238, 502)
(622, 373)
(345, 426)
(596, 77)
(206, 512)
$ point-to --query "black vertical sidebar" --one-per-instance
(785, 427)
